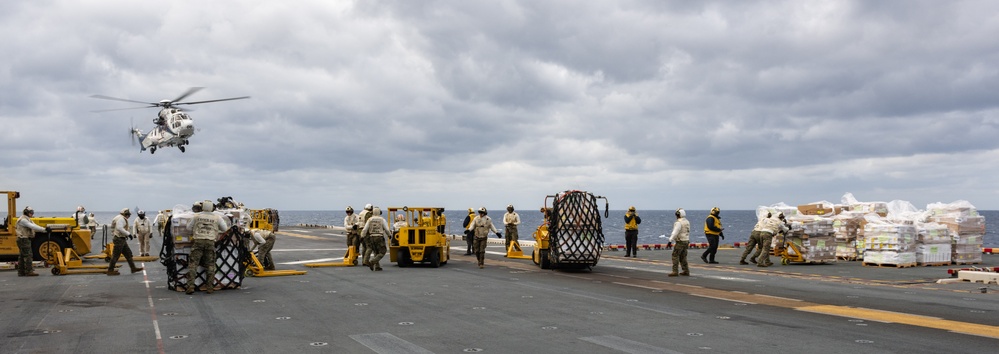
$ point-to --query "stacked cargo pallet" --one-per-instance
(933, 245)
(848, 227)
(966, 227)
(818, 240)
(890, 244)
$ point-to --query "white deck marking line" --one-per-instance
(313, 261)
(722, 298)
(308, 249)
(778, 297)
(152, 312)
(386, 343)
(637, 286)
(627, 345)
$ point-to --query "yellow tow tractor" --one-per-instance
(265, 219)
(65, 234)
(419, 237)
(540, 254)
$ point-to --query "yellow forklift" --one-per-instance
(65, 234)
(420, 237)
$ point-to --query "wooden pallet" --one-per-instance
(846, 258)
(963, 263)
(889, 265)
(934, 264)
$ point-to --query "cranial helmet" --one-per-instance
(470, 210)
(141, 213)
(632, 208)
(376, 211)
(483, 211)
(28, 210)
(350, 209)
(125, 211)
(207, 206)
(780, 215)
(680, 213)
(367, 207)
(79, 208)
(715, 211)
(509, 207)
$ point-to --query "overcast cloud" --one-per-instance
(657, 104)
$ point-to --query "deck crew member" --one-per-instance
(482, 225)
(26, 229)
(469, 233)
(161, 222)
(510, 221)
(755, 242)
(264, 251)
(680, 237)
(375, 231)
(92, 225)
(771, 228)
(352, 223)
(144, 231)
(82, 220)
(712, 231)
(119, 229)
(364, 215)
(206, 226)
(631, 221)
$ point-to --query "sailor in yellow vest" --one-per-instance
(469, 234)
(713, 231)
(631, 221)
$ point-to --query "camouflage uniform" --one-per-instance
(363, 242)
(25, 230)
(264, 252)
(755, 241)
(352, 223)
(120, 233)
(207, 227)
(510, 222)
(482, 225)
(681, 239)
(375, 230)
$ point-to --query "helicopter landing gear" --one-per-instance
(152, 150)
(181, 148)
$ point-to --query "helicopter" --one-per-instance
(173, 125)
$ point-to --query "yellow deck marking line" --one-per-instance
(905, 318)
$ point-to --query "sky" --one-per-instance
(654, 104)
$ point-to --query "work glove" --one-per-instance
(499, 235)
(131, 237)
(355, 227)
(48, 229)
(722, 235)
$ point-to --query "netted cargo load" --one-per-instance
(575, 231)
(230, 254)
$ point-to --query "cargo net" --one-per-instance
(576, 236)
(231, 258)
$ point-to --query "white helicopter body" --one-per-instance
(173, 126)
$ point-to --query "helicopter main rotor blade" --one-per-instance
(122, 109)
(154, 104)
(188, 93)
(219, 100)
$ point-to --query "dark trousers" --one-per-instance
(712, 248)
(630, 242)
(120, 249)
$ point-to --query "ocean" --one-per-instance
(655, 228)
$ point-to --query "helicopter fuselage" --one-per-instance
(173, 128)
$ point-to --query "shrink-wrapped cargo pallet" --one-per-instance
(890, 244)
(847, 227)
(933, 244)
(966, 227)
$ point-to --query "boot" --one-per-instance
(113, 272)
(762, 265)
(31, 274)
(752, 260)
(705, 259)
(371, 266)
(672, 274)
(686, 274)
(743, 262)
(190, 290)
(136, 270)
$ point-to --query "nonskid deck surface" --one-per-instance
(624, 305)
